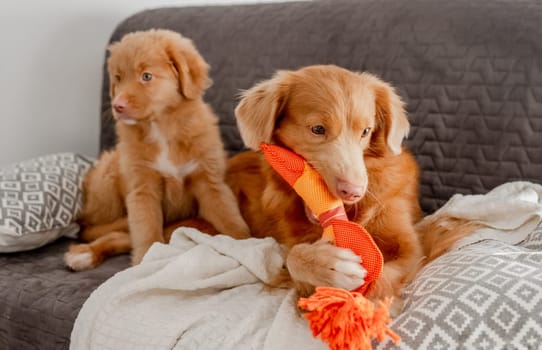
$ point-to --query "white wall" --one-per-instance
(51, 55)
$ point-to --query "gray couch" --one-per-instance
(469, 71)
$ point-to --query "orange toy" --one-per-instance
(346, 320)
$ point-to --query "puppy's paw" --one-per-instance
(80, 257)
(323, 264)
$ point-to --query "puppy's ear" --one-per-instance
(392, 121)
(259, 109)
(191, 68)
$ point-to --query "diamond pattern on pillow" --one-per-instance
(484, 296)
(39, 198)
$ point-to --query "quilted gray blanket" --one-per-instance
(40, 298)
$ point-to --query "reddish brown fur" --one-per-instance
(151, 178)
(440, 233)
(282, 111)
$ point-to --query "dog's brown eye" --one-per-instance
(117, 78)
(146, 76)
(318, 130)
(365, 132)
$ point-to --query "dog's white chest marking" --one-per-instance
(163, 163)
(129, 121)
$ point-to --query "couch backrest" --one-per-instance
(470, 72)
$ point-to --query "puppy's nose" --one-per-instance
(350, 192)
(120, 105)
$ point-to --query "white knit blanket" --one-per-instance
(508, 213)
(198, 292)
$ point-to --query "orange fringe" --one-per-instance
(347, 320)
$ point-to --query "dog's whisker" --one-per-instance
(375, 198)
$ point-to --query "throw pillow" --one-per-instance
(487, 295)
(39, 200)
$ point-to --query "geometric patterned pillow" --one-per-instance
(39, 200)
(486, 295)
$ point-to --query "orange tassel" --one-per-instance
(347, 320)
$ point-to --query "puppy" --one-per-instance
(350, 127)
(169, 162)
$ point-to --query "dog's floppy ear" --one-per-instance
(259, 109)
(190, 66)
(392, 121)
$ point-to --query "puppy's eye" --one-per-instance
(365, 132)
(117, 78)
(318, 130)
(146, 76)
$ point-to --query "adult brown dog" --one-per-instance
(169, 162)
(350, 127)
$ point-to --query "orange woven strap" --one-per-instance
(351, 235)
(303, 178)
(288, 164)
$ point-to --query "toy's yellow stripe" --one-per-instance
(315, 193)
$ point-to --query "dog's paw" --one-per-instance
(80, 257)
(323, 264)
